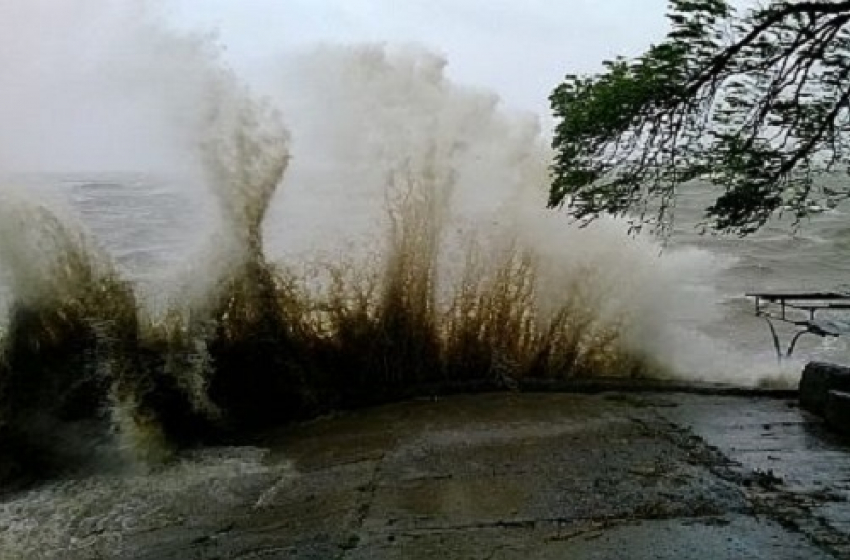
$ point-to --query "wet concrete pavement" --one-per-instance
(670, 476)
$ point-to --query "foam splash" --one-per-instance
(453, 272)
(103, 509)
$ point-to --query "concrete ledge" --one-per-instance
(837, 411)
(819, 378)
(508, 476)
(590, 386)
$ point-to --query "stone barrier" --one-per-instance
(837, 411)
(819, 378)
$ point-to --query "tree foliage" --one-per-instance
(757, 101)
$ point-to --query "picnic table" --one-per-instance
(801, 310)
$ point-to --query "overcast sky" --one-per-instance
(518, 48)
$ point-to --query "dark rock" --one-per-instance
(819, 378)
(837, 411)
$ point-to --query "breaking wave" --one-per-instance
(408, 252)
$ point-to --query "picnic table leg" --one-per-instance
(775, 340)
(794, 342)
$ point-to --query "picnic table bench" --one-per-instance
(800, 309)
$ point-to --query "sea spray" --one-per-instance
(455, 278)
(89, 96)
(362, 113)
(245, 152)
(382, 338)
(358, 112)
(70, 350)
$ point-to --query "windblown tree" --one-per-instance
(756, 101)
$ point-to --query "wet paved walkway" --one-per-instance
(638, 476)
